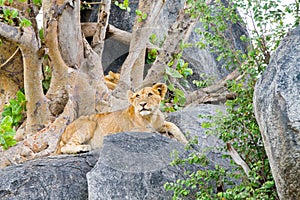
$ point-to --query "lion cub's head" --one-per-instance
(147, 100)
(112, 77)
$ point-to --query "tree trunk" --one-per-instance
(138, 43)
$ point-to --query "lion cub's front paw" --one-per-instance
(69, 149)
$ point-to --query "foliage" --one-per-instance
(47, 78)
(238, 126)
(124, 5)
(206, 80)
(85, 5)
(177, 69)
(141, 16)
(12, 115)
(37, 2)
(11, 17)
(151, 55)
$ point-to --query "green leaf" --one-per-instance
(25, 22)
(9, 133)
(171, 87)
(179, 92)
(180, 96)
(17, 119)
(7, 111)
(138, 12)
(17, 110)
(173, 73)
(6, 122)
(9, 142)
(6, 12)
(144, 16)
(171, 63)
(2, 140)
(153, 38)
(14, 13)
(243, 38)
(126, 3)
(37, 2)
(188, 71)
(121, 6)
(20, 96)
(180, 63)
(206, 125)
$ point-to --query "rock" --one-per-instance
(133, 166)
(189, 122)
(277, 108)
(136, 165)
(59, 177)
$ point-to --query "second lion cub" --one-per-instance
(143, 114)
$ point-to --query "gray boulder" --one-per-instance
(189, 122)
(55, 178)
(136, 165)
(133, 166)
(277, 109)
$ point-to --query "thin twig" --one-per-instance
(237, 158)
(10, 58)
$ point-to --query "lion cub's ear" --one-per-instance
(130, 96)
(110, 73)
(161, 88)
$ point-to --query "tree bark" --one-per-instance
(102, 24)
(137, 46)
(179, 32)
(215, 93)
(37, 105)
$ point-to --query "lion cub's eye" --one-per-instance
(150, 94)
(137, 96)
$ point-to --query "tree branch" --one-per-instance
(119, 35)
(113, 32)
(179, 32)
(237, 158)
(214, 93)
(99, 36)
(57, 93)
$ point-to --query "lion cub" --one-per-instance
(143, 114)
(111, 80)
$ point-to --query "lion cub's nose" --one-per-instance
(143, 104)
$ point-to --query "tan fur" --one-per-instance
(143, 114)
(112, 80)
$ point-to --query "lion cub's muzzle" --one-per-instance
(143, 110)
